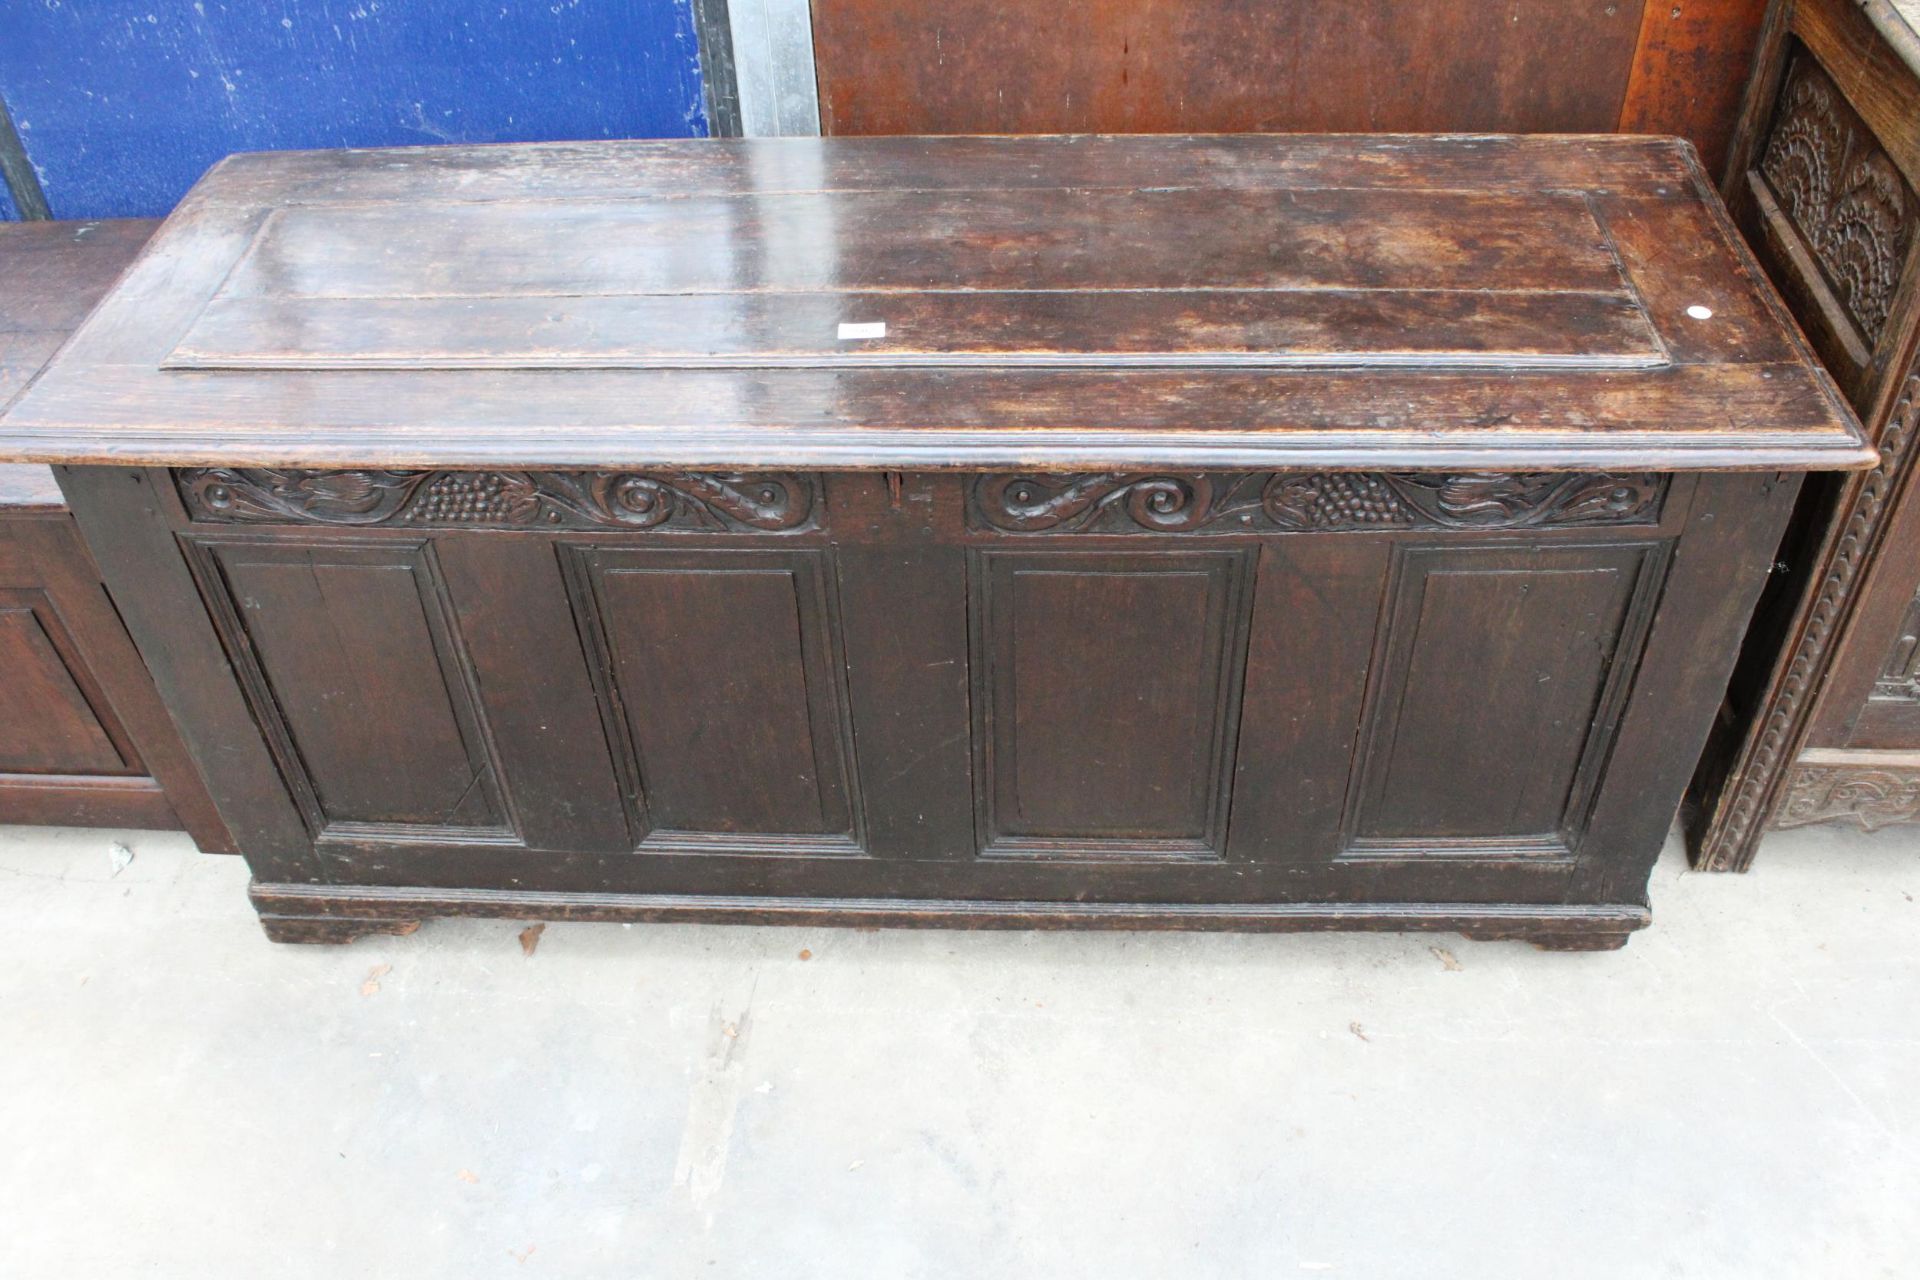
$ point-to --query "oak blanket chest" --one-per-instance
(1254, 532)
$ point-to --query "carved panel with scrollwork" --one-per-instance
(1850, 204)
(1205, 502)
(771, 502)
(1871, 796)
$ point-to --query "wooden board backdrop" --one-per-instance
(1146, 66)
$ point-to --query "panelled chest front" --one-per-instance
(1255, 532)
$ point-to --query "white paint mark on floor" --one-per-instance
(701, 1165)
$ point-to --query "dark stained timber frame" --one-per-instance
(1822, 178)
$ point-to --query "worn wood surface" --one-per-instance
(1224, 66)
(304, 914)
(84, 740)
(1135, 698)
(1822, 178)
(1690, 71)
(1319, 675)
(1101, 303)
(51, 275)
(1302, 66)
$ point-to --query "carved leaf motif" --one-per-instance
(1481, 500)
(1485, 499)
(333, 497)
(770, 502)
(1334, 500)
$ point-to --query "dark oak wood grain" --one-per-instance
(1271, 533)
(1055, 309)
(1308, 65)
(84, 740)
(1690, 71)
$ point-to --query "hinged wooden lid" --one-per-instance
(1127, 303)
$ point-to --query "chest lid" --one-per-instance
(1120, 302)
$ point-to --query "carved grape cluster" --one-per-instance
(463, 497)
(1342, 500)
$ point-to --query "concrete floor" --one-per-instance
(1736, 1094)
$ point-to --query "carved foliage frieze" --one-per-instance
(1846, 198)
(766, 502)
(1870, 796)
(1307, 501)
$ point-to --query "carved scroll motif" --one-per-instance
(1871, 797)
(1164, 503)
(1840, 190)
(1324, 501)
(768, 502)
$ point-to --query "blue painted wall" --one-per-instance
(7, 212)
(122, 105)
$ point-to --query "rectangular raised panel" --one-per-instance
(1307, 276)
(351, 658)
(1497, 684)
(1899, 679)
(1106, 695)
(721, 675)
(1889, 717)
(47, 722)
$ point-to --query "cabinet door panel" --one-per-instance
(1889, 717)
(47, 724)
(724, 687)
(516, 623)
(1105, 701)
(1495, 687)
(1316, 611)
(362, 686)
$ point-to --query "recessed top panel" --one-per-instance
(1051, 277)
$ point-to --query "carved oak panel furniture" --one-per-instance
(1822, 722)
(1268, 533)
(84, 740)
